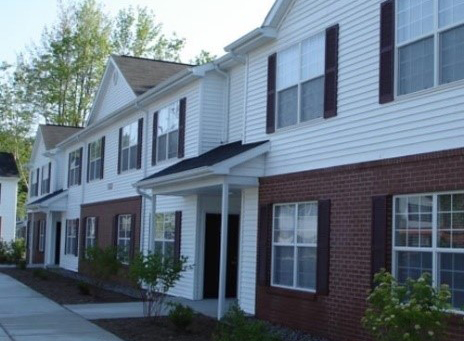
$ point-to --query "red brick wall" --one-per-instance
(37, 256)
(350, 189)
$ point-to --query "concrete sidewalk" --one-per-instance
(26, 315)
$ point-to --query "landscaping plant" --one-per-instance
(414, 310)
(102, 265)
(181, 316)
(84, 288)
(40, 273)
(155, 274)
(236, 326)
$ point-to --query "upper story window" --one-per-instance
(429, 237)
(129, 146)
(294, 246)
(300, 82)
(75, 167)
(168, 132)
(45, 185)
(34, 183)
(95, 160)
(430, 43)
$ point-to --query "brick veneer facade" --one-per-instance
(350, 189)
(37, 256)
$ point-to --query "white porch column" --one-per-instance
(151, 227)
(31, 237)
(223, 250)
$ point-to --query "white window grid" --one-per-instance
(45, 180)
(435, 33)
(94, 158)
(71, 236)
(295, 246)
(124, 237)
(90, 237)
(164, 219)
(172, 126)
(34, 183)
(42, 236)
(129, 143)
(74, 167)
(435, 250)
(301, 79)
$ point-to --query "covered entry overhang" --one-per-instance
(222, 171)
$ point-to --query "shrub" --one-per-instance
(237, 327)
(4, 252)
(40, 273)
(102, 264)
(17, 250)
(181, 316)
(21, 265)
(84, 288)
(414, 311)
(155, 274)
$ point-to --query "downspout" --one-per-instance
(245, 100)
(225, 127)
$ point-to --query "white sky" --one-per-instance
(206, 24)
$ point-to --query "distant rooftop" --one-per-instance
(142, 74)
(8, 167)
(54, 134)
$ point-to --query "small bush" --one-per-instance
(21, 265)
(84, 288)
(40, 273)
(413, 311)
(237, 327)
(181, 316)
(103, 264)
(17, 250)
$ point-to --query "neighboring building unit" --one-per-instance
(9, 178)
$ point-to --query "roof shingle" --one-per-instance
(8, 167)
(54, 134)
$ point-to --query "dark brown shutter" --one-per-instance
(264, 244)
(96, 231)
(271, 93)
(37, 186)
(0, 226)
(139, 143)
(115, 230)
(77, 236)
(0, 195)
(387, 51)
(323, 247)
(88, 162)
(182, 120)
(102, 163)
(83, 234)
(80, 166)
(69, 170)
(133, 234)
(119, 150)
(155, 139)
(65, 236)
(379, 234)
(178, 235)
(49, 177)
(331, 72)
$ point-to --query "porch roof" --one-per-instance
(46, 201)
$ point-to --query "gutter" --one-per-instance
(196, 172)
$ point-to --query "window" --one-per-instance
(300, 82)
(294, 246)
(41, 235)
(90, 232)
(164, 233)
(429, 237)
(71, 237)
(34, 183)
(430, 43)
(45, 186)
(168, 132)
(129, 147)
(124, 237)
(74, 173)
(95, 160)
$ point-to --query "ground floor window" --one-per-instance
(165, 233)
(71, 237)
(124, 237)
(42, 236)
(294, 246)
(429, 237)
(90, 232)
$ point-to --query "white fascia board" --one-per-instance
(277, 13)
(191, 174)
(252, 40)
(225, 166)
(47, 204)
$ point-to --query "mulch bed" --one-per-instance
(143, 329)
(63, 290)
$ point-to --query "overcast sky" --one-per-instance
(206, 24)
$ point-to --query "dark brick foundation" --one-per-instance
(350, 189)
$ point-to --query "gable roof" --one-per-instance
(47, 197)
(8, 167)
(142, 74)
(207, 159)
(54, 134)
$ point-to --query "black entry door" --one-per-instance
(58, 243)
(212, 256)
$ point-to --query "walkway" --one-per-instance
(25, 315)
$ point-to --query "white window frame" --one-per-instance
(435, 250)
(165, 111)
(437, 31)
(71, 237)
(122, 218)
(74, 167)
(129, 128)
(42, 236)
(90, 239)
(34, 183)
(45, 178)
(295, 246)
(299, 84)
(166, 216)
(93, 159)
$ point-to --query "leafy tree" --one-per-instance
(203, 57)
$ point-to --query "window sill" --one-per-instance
(301, 295)
(132, 170)
(302, 125)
